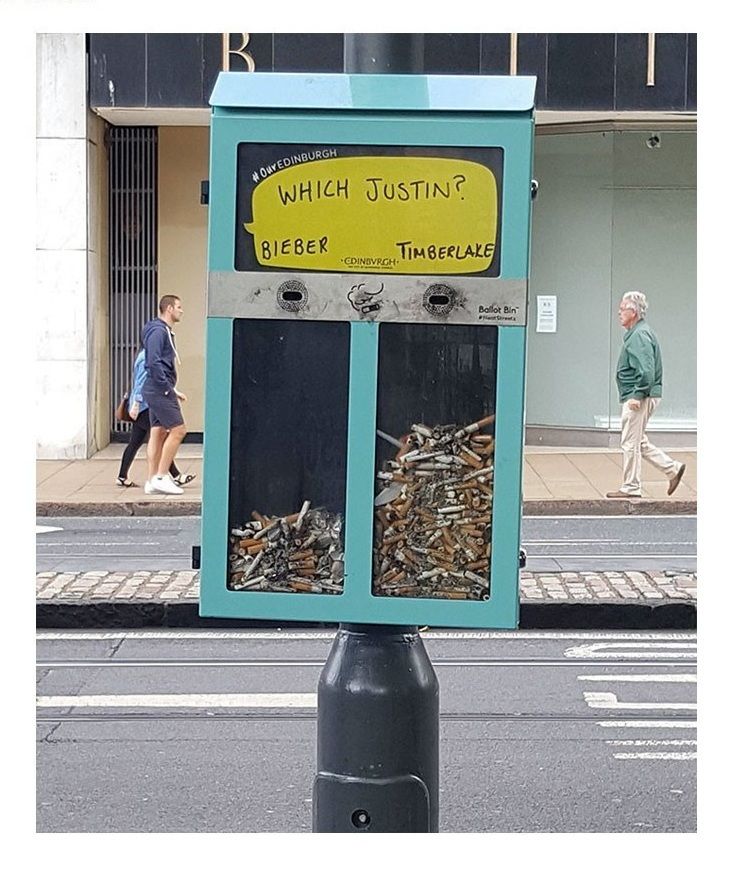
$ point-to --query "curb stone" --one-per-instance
(547, 507)
(532, 615)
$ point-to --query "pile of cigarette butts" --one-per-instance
(297, 553)
(433, 514)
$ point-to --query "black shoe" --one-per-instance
(183, 479)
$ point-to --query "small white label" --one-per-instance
(547, 314)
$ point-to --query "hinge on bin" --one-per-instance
(522, 557)
(196, 556)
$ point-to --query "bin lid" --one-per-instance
(458, 93)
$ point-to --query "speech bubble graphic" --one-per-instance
(420, 215)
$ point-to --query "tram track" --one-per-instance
(305, 715)
(458, 662)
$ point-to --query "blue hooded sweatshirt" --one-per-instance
(160, 357)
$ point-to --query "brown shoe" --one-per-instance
(618, 494)
(675, 482)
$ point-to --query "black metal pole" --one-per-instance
(378, 696)
(384, 52)
(378, 721)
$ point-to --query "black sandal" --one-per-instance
(123, 481)
(183, 479)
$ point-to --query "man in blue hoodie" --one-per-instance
(167, 428)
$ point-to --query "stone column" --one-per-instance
(58, 303)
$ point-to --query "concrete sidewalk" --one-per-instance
(556, 481)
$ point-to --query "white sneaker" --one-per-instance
(164, 483)
(148, 488)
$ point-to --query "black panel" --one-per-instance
(261, 48)
(311, 52)
(117, 69)
(212, 64)
(532, 61)
(174, 69)
(452, 53)
(691, 71)
(494, 54)
(632, 91)
(580, 70)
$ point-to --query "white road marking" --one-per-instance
(609, 701)
(656, 756)
(632, 650)
(170, 634)
(614, 518)
(637, 557)
(87, 544)
(565, 541)
(640, 678)
(649, 723)
(289, 699)
(651, 742)
(572, 541)
(40, 530)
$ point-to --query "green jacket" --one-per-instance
(639, 369)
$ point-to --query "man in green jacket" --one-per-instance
(639, 381)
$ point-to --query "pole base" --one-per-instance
(381, 806)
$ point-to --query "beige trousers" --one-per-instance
(635, 446)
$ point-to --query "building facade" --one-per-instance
(122, 165)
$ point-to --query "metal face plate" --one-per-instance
(368, 298)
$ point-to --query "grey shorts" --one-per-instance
(165, 411)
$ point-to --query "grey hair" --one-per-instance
(638, 301)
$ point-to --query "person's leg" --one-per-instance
(170, 447)
(658, 458)
(174, 471)
(632, 430)
(155, 448)
(138, 434)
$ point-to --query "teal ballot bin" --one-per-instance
(365, 348)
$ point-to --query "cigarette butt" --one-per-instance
(403, 507)
(300, 586)
(259, 518)
(471, 458)
(305, 507)
(410, 556)
(300, 554)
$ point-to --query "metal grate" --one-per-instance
(133, 250)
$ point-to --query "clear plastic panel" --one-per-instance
(435, 461)
(287, 488)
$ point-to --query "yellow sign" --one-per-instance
(430, 215)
